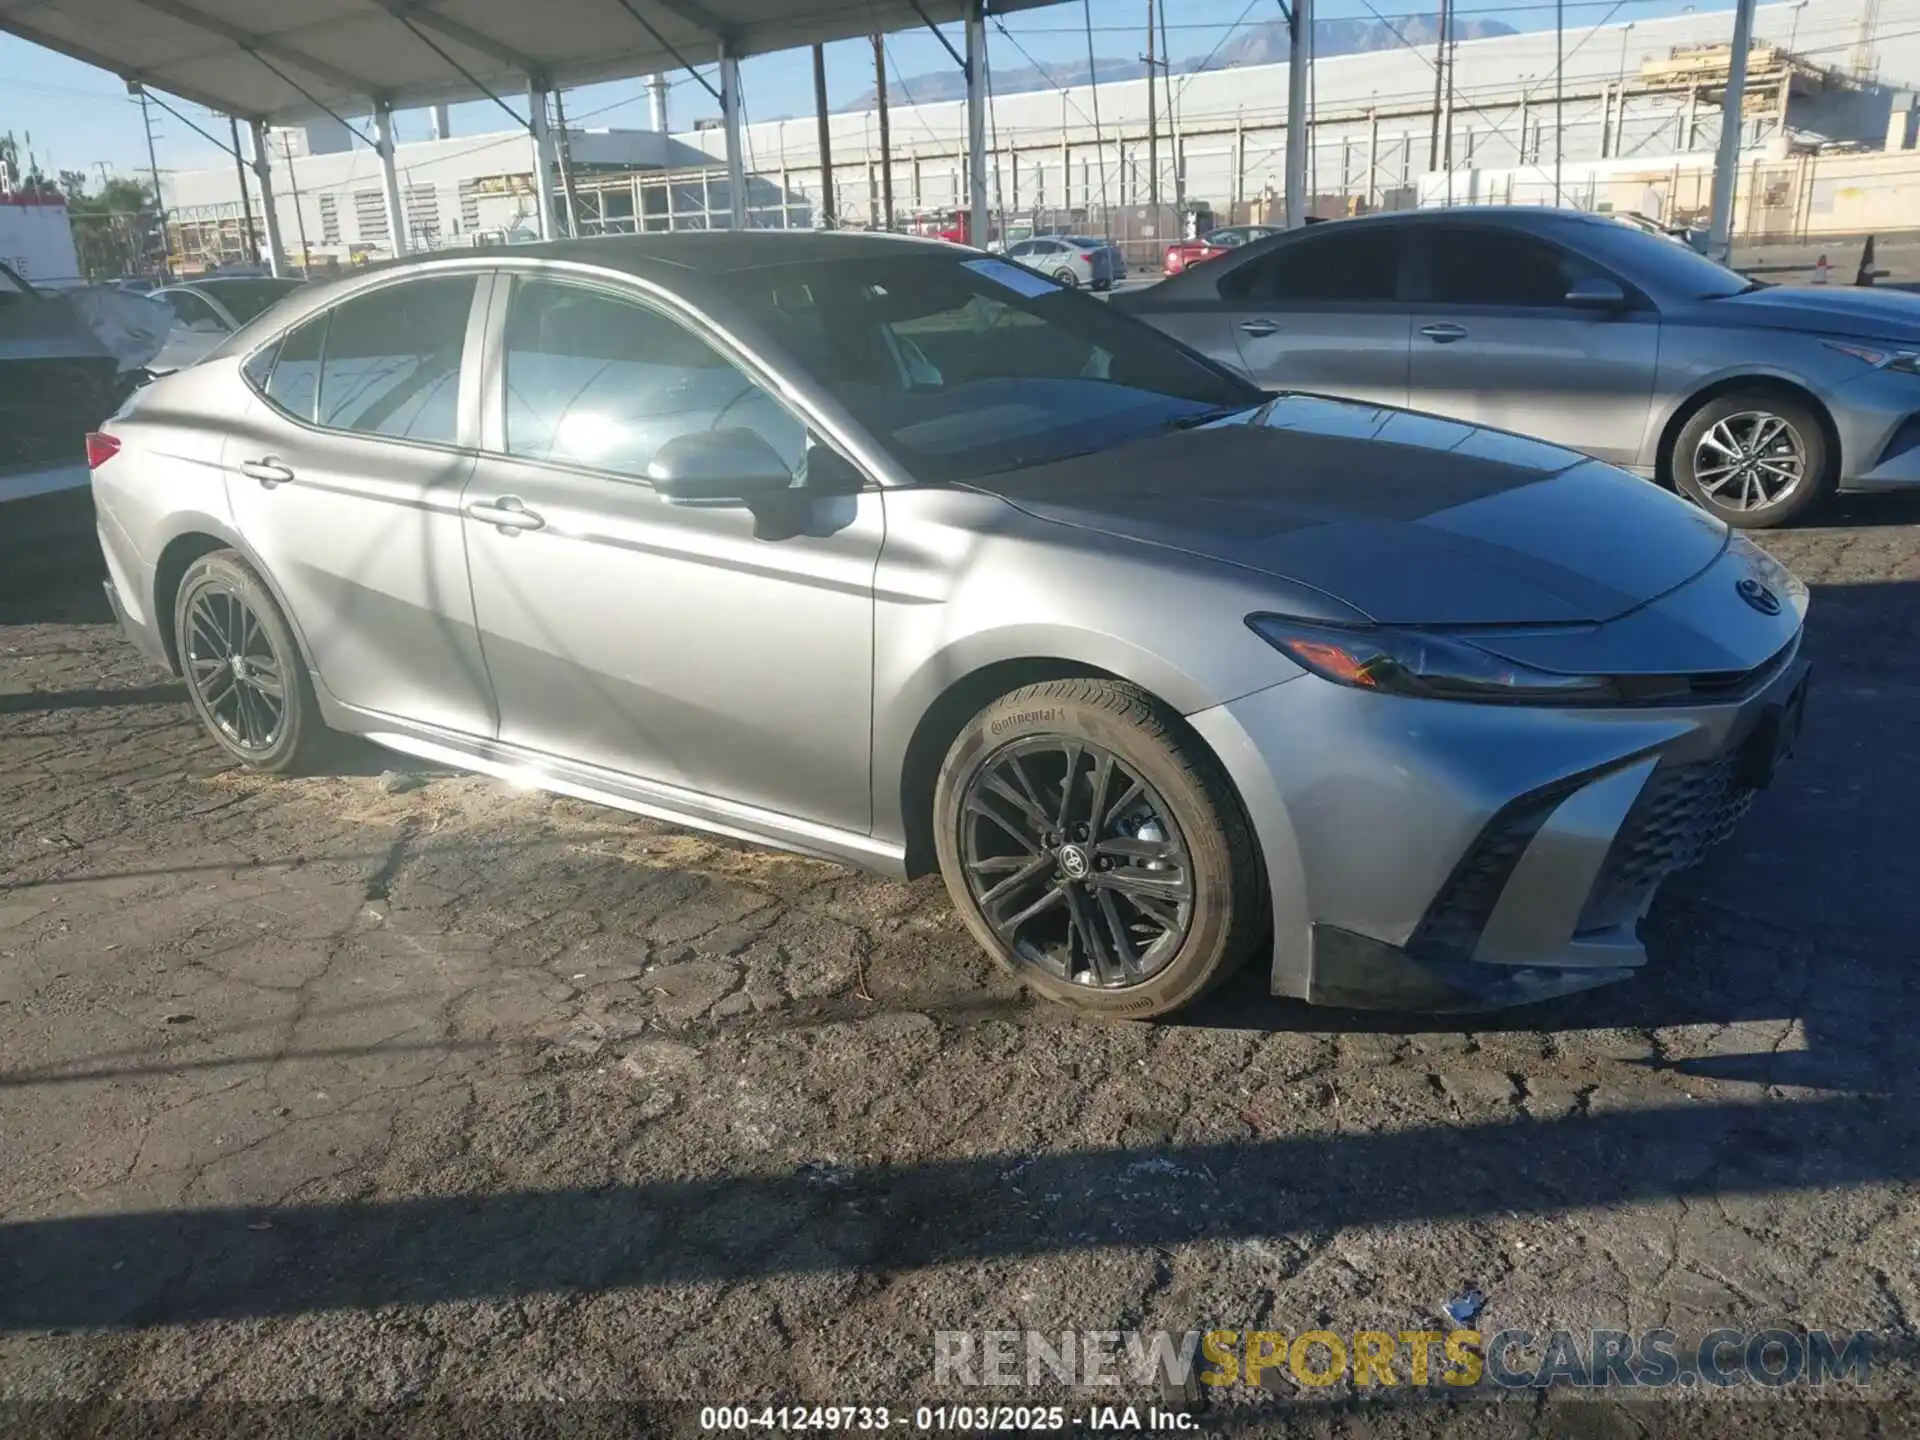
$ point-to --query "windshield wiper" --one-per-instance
(1746, 289)
(1204, 417)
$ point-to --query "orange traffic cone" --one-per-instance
(1820, 271)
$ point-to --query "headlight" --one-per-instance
(1906, 361)
(1420, 663)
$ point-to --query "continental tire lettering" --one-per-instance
(1026, 717)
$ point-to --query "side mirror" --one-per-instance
(718, 466)
(1594, 293)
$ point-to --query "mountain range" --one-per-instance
(1263, 44)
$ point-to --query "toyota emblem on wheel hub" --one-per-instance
(1758, 596)
(1074, 863)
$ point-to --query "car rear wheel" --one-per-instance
(1095, 851)
(1067, 278)
(243, 670)
(1755, 458)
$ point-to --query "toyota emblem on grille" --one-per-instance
(1759, 596)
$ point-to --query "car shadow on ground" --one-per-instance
(230, 1263)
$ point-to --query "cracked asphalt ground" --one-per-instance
(417, 1088)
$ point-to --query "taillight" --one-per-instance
(1087, 256)
(101, 448)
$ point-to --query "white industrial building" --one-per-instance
(1625, 92)
(456, 190)
(1632, 123)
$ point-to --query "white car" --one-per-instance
(206, 311)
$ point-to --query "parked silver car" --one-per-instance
(1072, 259)
(206, 311)
(1755, 401)
(887, 551)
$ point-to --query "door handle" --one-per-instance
(1259, 329)
(267, 470)
(1444, 334)
(507, 515)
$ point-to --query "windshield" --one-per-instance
(963, 368)
(245, 299)
(1656, 264)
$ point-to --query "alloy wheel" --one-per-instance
(232, 666)
(1749, 461)
(1075, 862)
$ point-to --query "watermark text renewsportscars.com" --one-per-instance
(1507, 1359)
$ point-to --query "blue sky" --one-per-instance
(78, 116)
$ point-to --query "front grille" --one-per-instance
(1683, 811)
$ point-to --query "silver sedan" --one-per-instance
(890, 552)
(1753, 400)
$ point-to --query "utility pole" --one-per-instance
(1440, 86)
(886, 134)
(299, 215)
(1173, 117)
(1299, 71)
(1726, 164)
(1559, 74)
(248, 245)
(828, 207)
(1153, 121)
(153, 170)
(566, 165)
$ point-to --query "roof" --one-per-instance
(286, 64)
(710, 252)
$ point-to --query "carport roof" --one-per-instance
(289, 63)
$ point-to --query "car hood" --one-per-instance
(1858, 311)
(1407, 518)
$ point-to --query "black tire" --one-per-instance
(223, 608)
(1739, 418)
(1209, 843)
(1067, 278)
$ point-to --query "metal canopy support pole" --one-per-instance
(1299, 68)
(1726, 163)
(269, 215)
(977, 235)
(730, 119)
(542, 157)
(390, 177)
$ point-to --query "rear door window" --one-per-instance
(392, 363)
(1361, 264)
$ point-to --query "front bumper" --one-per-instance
(1877, 419)
(1435, 856)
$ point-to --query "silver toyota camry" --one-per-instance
(1756, 401)
(893, 553)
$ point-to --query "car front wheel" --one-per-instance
(1755, 458)
(1096, 851)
